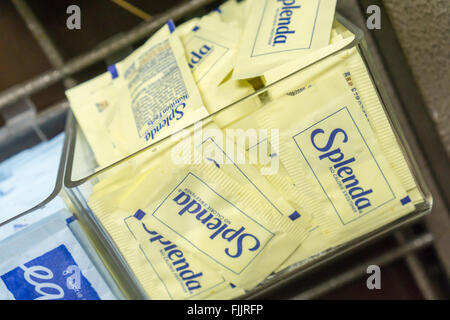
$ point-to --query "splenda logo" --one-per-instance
(344, 170)
(197, 57)
(176, 256)
(236, 236)
(175, 114)
(284, 20)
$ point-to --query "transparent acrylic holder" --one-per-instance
(47, 192)
(27, 212)
(82, 174)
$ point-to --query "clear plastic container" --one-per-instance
(82, 174)
(43, 164)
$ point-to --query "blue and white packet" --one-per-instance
(45, 261)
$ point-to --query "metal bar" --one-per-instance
(141, 31)
(50, 122)
(132, 9)
(44, 41)
(417, 270)
(54, 111)
(8, 134)
(360, 270)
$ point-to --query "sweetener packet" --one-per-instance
(229, 150)
(278, 31)
(211, 50)
(349, 65)
(146, 258)
(45, 261)
(186, 27)
(165, 271)
(93, 104)
(340, 38)
(206, 212)
(160, 95)
(263, 152)
(225, 149)
(335, 159)
(230, 101)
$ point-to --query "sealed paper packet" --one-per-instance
(211, 144)
(210, 52)
(351, 67)
(159, 96)
(336, 161)
(45, 261)
(340, 38)
(206, 212)
(226, 150)
(142, 99)
(281, 180)
(92, 103)
(264, 154)
(278, 31)
(231, 11)
(211, 49)
(164, 270)
(229, 150)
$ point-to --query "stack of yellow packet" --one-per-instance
(199, 217)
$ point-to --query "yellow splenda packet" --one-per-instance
(340, 38)
(93, 103)
(350, 66)
(278, 31)
(209, 53)
(232, 153)
(226, 95)
(186, 27)
(182, 275)
(159, 96)
(211, 50)
(163, 269)
(335, 159)
(263, 153)
(227, 226)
